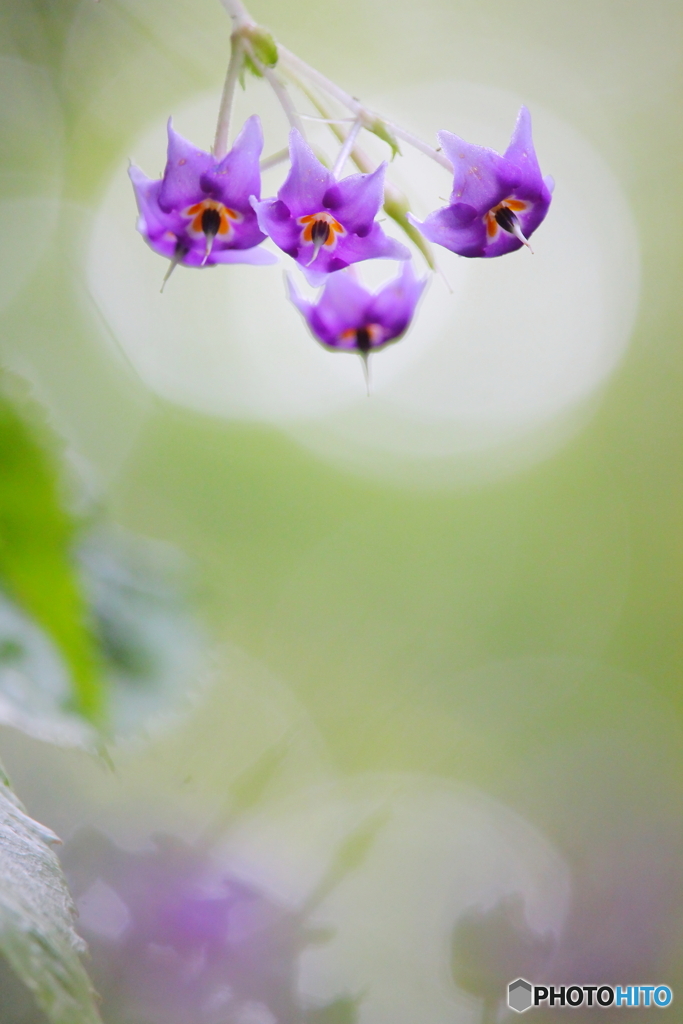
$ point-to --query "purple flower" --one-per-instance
(323, 223)
(349, 318)
(497, 201)
(199, 212)
(173, 939)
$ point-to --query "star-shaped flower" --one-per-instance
(497, 201)
(199, 213)
(349, 318)
(325, 224)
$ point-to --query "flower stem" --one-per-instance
(280, 90)
(238, 12)
(303, 70)
(275, 159)
(220, 145)
(347, 147)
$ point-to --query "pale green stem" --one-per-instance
(302, 69)
(220, 145)
(238, 12)
(280, 90)
(275, 159)
(347, 147)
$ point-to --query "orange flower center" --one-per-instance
(211, 218)
(320, 229)
(363, 338)
(493, 223)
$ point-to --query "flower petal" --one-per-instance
(458, 228)
(357, 199)
(276, 221)
(344, 302)
(185, 165)
(255, 256)
(152, 219)
(394, 305)
(374, 245)
(481, 177)
(238, 176)
(521, 150)
(307, 180)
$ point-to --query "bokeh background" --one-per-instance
(447, 619)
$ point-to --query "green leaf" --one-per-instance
(35, 687)
(36, 563)
(36, 917)
(151, 646)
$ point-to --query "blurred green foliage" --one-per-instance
(36, 917)
(37, 566)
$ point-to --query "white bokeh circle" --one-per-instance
(494, 373)
(441, 850)
(31, 127)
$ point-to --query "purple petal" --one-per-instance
(357, 200)
(302, 304)
(275, 220)
(344, 302)
(481, 177)
(256, 257)
(394, 305)
(324, 334)
(457, 228)
(307, 181)
(348, 250)
(238, 176)
(374, 245)
(152, 219)
(521, 150)
(244, 235)
(185, 165)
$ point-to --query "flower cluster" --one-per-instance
(207, 207)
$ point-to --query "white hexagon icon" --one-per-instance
(519, 995)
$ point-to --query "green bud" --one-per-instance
(263, 46)
(379, 128)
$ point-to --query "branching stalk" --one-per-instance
(301, 69)
(347, 147)
(303, 76)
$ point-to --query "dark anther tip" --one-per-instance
(363, 343)
(211, 222)
(506, 219)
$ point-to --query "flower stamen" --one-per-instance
(179, 255)
(504, 215)
(320, 229)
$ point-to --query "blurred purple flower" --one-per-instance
(199, 213)
(325, 224)
(349, 318)
(497, 201)
(175, 940)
